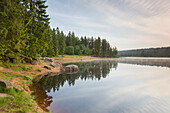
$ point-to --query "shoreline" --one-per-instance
(16, 76)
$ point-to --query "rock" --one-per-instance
(48, 67)
(46, 59)
(41, 59)
(53, 74)
(36, 79)
(71, 68)
(27, 59)
(53, 64)
(62, 69)
(34, 62)
(3, 95)
(19, 88)
(6, 84)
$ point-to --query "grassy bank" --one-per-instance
(20, 74)
(19, 102)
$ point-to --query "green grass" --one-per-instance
(23, 103)
(58, 58)
(4, 102)
(26, 68)
(23, 79)
(38, 70)
(26, 82)
(6, 75)
(21, 68)
(16, 66)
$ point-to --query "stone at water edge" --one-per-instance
(53, 74)
(53, 64)
(6, 84)
(48, 67)
(36, 79)
(46, 59)
(71, 68)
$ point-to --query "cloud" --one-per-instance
(143, 21)
(148, 18)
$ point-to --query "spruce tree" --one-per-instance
(55, 43)
(63, 45)
(104, 48)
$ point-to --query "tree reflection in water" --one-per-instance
(87, 70)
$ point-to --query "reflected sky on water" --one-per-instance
(108, 87)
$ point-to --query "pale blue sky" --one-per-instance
(127, 24)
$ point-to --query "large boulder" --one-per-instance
(48, 67)
(71, 68)
(53, 64)
(6, 84)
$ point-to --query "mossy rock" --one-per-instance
(6, 84)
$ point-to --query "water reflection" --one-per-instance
(89, 70)
(149, 61)
(129, 89)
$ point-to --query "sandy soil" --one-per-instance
(76, 59)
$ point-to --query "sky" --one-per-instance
(126, 24)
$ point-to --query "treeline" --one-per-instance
(25, 33)
(70, 44)
(150, 52)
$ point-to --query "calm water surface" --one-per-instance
(107, 87)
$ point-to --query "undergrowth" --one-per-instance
(22, 102)
(16, 66)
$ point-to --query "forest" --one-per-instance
(150, 52)
(25, 33)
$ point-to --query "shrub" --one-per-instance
(76, 50)
(69, 50)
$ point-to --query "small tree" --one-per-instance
(76, 50)
(69, 50)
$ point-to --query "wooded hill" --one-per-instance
(150, 52)
(25, 33)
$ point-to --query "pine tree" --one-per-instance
(104, 48)
(63, 45)
(13, 29)
(55, 43)
(50, 50)
(73, 39)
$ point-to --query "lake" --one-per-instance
(107, 87)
